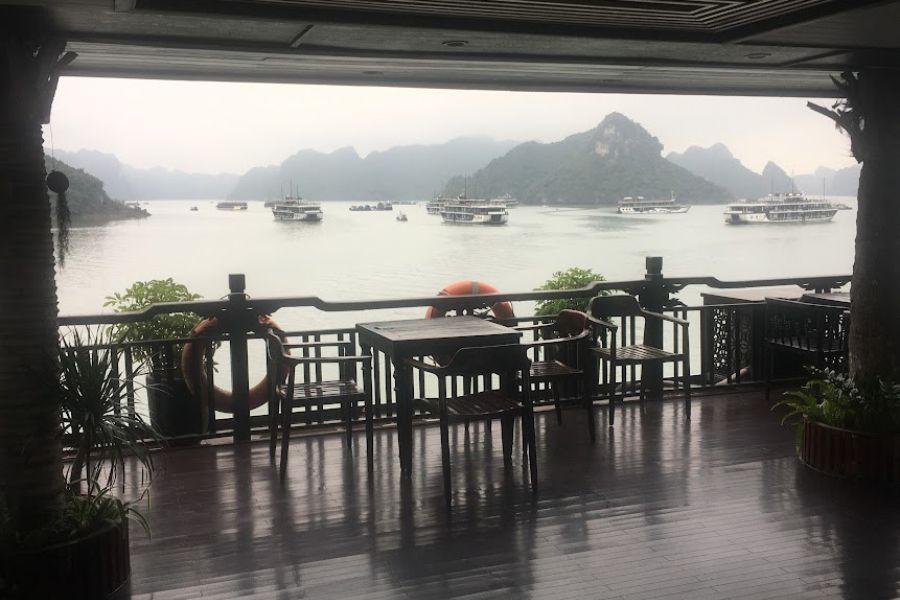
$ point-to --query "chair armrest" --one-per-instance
(602, 323)
(532, 327)
(318, 344)
(418, 364)
(669, 318)
(557, 341)
(307, 360)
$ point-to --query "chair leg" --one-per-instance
(273, 425)
(556, 401)
(687, 390)
(370, 434)
(285, 437)
(588, 400)
(348, 424)
(506, 427)
(612, 394)
(445, 454)
(528, 430)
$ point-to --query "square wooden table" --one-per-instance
(401, 340)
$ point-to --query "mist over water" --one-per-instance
(360, 255)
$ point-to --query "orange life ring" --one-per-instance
(192, 363)
(464, 287)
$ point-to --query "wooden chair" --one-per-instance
(505, 403)
(287, 390)
(817, 333)
(618, 347)
(561, 357)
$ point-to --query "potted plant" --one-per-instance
(571, 278)
(847, 428)
(82, 552)
(173, 410)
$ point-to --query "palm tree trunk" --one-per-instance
(31, 478)
(875, 294)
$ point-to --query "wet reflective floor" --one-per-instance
(718, 508)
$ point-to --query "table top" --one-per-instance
(757, 294)
(413, 336)
(830, 298)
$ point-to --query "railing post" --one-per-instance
(653, 297)
(237, 340)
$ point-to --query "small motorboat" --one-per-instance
(402, 217)
(194, 208)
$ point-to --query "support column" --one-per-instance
(653, 297)
(31, 478)
(871, 116)
(875, 291)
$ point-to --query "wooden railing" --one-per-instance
(724, 338)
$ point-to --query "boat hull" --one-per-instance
(756, 218)
(468, 219)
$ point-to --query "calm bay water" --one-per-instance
(359, 255)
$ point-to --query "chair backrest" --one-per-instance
(570, 323)
(509, 358)
(807, 326)
(616, 305)
(274, 346)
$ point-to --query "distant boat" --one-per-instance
(471, 211)
(402, 217)
(194, 208)
(505, 200)
(435, 205)
(372, 207)
(636, 205)
(782, 208)
(231, 205)
(295, 208)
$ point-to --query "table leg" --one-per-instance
(403, 380)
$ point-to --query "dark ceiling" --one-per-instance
(771, 47)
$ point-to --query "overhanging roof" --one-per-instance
(772, 47)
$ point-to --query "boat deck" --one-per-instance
(718, 508)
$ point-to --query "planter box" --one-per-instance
(174, 411)
(850, 454)
(96, 567)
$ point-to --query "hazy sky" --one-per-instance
(211, 127)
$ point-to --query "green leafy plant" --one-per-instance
(569, 279)
(139, 296)
(100, 432)
(835, 399)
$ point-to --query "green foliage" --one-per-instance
(101, 435)
(139, 296)
(100, 432)
(835, 399)
(571, 278)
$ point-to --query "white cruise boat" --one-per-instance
(505, 200)
(435, 205)
(295, 208)
(782, 208)
(231, 205)
(470, 211)
(638, 204)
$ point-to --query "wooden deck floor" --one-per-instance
(656, 509)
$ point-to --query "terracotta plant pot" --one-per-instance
(95, 567)
(850, 454)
